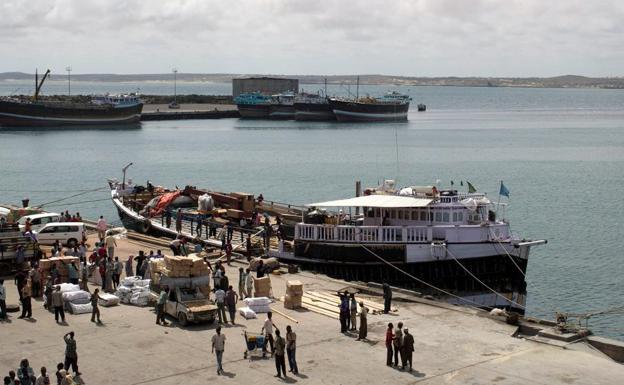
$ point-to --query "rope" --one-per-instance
(44, 191)
(420, 280)
(482, 283)
(79, 203)
(74, 195)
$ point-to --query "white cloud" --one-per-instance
(417, 37)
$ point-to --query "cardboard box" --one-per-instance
(294, 287)
(235, 214)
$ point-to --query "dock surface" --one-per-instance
(454, 345)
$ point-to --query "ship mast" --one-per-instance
(357, 89)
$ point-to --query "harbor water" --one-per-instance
(559, 151)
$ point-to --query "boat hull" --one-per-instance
(16, 114)
(351, 111)
(314, 112)
(282, 112)
(248, 111)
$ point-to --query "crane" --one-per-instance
(39, 84)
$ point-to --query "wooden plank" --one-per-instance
(369, 303)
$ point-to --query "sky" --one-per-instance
(393, 37)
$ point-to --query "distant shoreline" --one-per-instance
(567, 81)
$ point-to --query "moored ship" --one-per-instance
(282, 106)
(101, 110)
(391, 107)
(313, 107)
(253, 105)
(446, 239)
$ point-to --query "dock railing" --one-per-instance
(363, 234)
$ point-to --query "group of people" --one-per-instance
(280, 347)
(348, 315)
(399, 344)
(25, 374)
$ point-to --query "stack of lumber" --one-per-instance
(61, 265)
(184, 267)
(294, 295)
(373, 306)
(327, 303)
(262, 287)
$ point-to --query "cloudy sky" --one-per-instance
(399, 37)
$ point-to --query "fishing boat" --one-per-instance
(101, 110)
(417, 237)
(253, 105)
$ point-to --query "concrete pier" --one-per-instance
(454, 345)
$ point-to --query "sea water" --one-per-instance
(560, 152)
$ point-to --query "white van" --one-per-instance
(68, 233)
(39, 220)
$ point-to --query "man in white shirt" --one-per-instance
(267, 329)
(101, 228)
(220, 301)
(43, 378)
(218, 346)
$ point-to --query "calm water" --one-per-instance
(560, 152)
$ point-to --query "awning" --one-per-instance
(382, 201)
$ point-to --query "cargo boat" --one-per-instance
(101, 110)
(253, 105)
(282, 106)
(391, 107)
(447, 239)
(313, 107)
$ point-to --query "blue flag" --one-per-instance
(503, 190)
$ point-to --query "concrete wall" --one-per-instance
(264, 85)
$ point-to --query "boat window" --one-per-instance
(460, 216)
(423, 215)
(446, 216)
(414, 215)
(393, 214)
(400, 214)
(454, 217)
(438, 216)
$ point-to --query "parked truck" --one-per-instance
(188, 300)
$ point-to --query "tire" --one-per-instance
(182, 320)
(12, 308)
(144, 226)
(72, 242)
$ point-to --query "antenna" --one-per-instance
(69, 70)
(396, 143)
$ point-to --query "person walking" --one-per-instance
(20, 281)
(26, 302)
(228, 252)
(230, 301)
(220, 301)
(344, 312)
(267, 329)
(397, 342)
(408, 349)
(363, 322)
(280, 346)
(218, 346)
(71, 354)
(249, 281)
(291, 349)
(3, 309)
(389, 339)
(57, 304)
(353, 311)
(101, 227)
(160, 306)
(110, 243)
(387, 296)
(117, 269)
(241, 282)
(95, 297)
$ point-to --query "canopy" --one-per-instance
(384, 201)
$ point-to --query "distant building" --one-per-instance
(264, 85)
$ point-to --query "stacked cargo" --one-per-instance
(294, 295)
(178, 271)
(61, 266)
(262, 287)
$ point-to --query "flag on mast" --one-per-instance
(471, 188)
(503, 190)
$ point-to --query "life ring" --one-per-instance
(144, 226)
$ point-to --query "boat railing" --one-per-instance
(363, 234)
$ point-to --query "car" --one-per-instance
(68, 233)
(38, 221)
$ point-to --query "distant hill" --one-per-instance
(565, 81)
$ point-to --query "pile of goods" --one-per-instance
(269, 264)
(134, 290)
(255, 305)
(61, 266)
(262, 287)
(76, 301)
(294, 295)
(179, 271)
(108, 300)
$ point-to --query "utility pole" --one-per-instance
(175, 73)
(69, 70)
